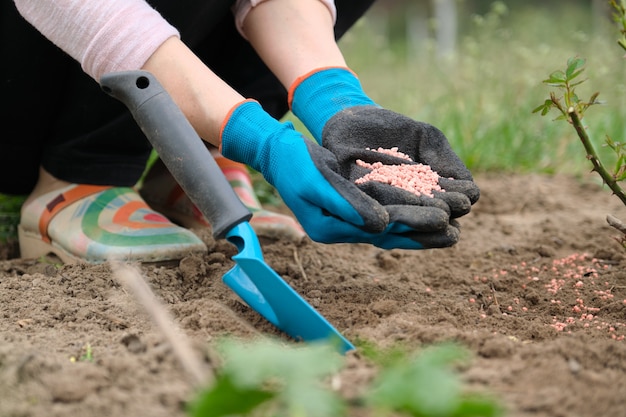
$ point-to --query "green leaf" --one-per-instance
(574, 75)
(544, 108)
(620, 169)
(557, 78)
(541, 107)
(253, 363)
(381, 356)
(577, 83)
(594, 98)
(227, 399)
(611, 143)
(294, 373)
(574, 66)
(424, 386)
(476, 406)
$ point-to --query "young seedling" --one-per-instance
(266, 378)
(85, 356)
(425, 385)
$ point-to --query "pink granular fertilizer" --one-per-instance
(418, 179)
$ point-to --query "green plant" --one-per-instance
(50, 260)
(266, 378)
(381, 357)
(425, 385)
(619, 16)
(86, 354)
(572, 109)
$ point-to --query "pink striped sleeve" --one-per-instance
(104, 36)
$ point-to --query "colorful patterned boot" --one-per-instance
(92, 223)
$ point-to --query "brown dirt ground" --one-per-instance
(536, 289)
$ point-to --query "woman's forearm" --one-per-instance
(293, 37)
(202, 96)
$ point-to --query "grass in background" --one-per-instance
(482, 98)
(9, 217)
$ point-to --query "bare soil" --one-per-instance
(536, 289)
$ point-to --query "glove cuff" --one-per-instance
(320, 94)
(246, 134)
(244, 130)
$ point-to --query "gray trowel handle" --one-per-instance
(179, 147)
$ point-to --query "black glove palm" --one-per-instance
(351, 132)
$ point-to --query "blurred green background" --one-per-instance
(475, 69)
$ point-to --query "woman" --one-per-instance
(234, 68)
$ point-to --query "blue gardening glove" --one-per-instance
(330, 207)
(333, 106)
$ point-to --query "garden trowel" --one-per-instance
(192, 165)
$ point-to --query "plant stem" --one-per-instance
(593, 156)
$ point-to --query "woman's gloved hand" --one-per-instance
(351, 131)
(329, 206)
(333, 106)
